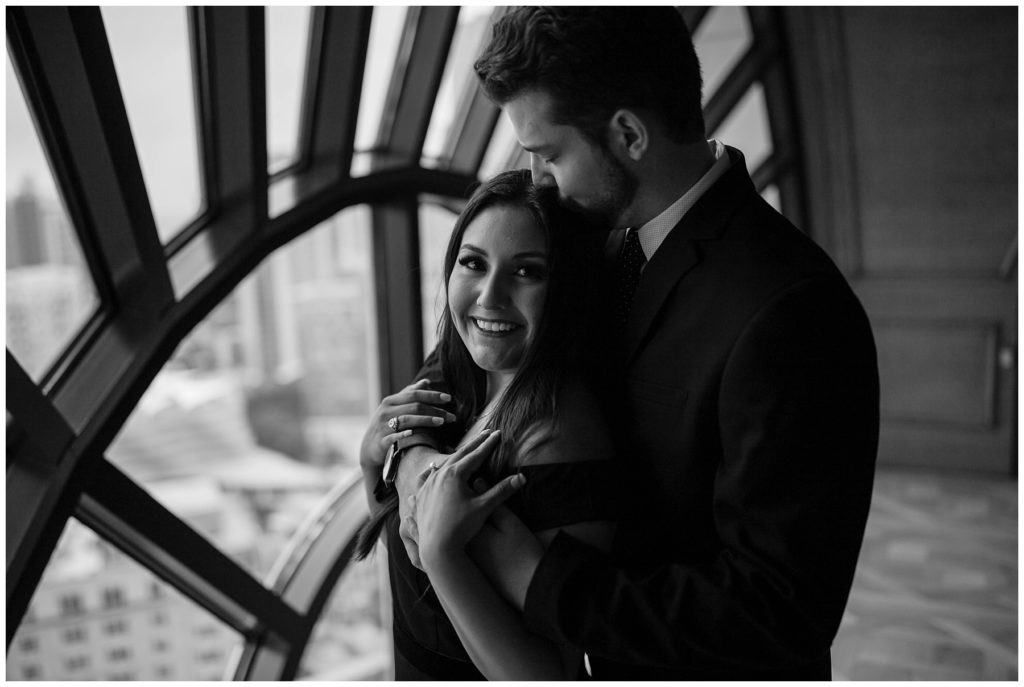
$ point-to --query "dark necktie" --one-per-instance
(631, 261)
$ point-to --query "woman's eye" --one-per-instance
(471, 263)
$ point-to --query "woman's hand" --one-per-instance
(448, 511)
(396, 417)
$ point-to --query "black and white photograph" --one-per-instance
(518, 343)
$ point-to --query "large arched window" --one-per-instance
(224, 229)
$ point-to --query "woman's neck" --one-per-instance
(497, 382)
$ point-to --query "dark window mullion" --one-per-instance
(35, 413)
(38, 492)
(231, 53)
(74, 93)
(693, 16)
(768, 172)
(312, 78)
(396, 266)
(415, 81)
(204, 124)
(334, 80)
(783, 124)
(478, 123)
(727, 97)
(129, 517)
(476, 119)
(781, 117)
(792, 199)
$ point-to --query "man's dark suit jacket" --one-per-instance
(750, 418)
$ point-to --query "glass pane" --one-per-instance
(385, 34)
(50, 293)
(150, 46)
(771, 194)
(263, 406)
(458, 79)
(352, 639)
(721, 40)
(99, 615)
(501, 149)
(436, 224)
(287, 43)
(746, 128)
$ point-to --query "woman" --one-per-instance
(519, 272)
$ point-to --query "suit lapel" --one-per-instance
(680, 252)
(676, 256)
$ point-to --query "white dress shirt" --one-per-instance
(653, 233)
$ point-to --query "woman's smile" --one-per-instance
(495, 328)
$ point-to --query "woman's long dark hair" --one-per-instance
(557, 348)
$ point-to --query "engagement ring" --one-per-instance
(393, 424)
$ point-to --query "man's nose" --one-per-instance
(493, 292)
(541, 177)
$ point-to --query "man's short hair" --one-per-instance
(594, 60)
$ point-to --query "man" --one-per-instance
(749, 403)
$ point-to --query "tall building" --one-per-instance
(46, 304)
(37, 230)
(24, 234)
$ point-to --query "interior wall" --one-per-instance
(909, 122)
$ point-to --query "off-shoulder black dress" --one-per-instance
(555, 495)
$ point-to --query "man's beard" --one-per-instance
(619, 186)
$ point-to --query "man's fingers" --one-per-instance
(500, 492)
(470, 446)
(408, 531)
(432, 467)
(503, 519)
(471, 460)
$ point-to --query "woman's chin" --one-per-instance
(489, 362)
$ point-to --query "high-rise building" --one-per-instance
(46, 303)
(38, 230)
(25, 244)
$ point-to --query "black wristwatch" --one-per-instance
(386, 483)
(390, 470)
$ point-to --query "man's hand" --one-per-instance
(411, 474)
(507, 552)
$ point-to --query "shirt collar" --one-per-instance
(653, 233)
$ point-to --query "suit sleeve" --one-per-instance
(798, 423)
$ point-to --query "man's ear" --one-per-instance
(629, 131)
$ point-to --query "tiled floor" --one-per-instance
(935, 595)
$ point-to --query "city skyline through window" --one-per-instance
(49, 291)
